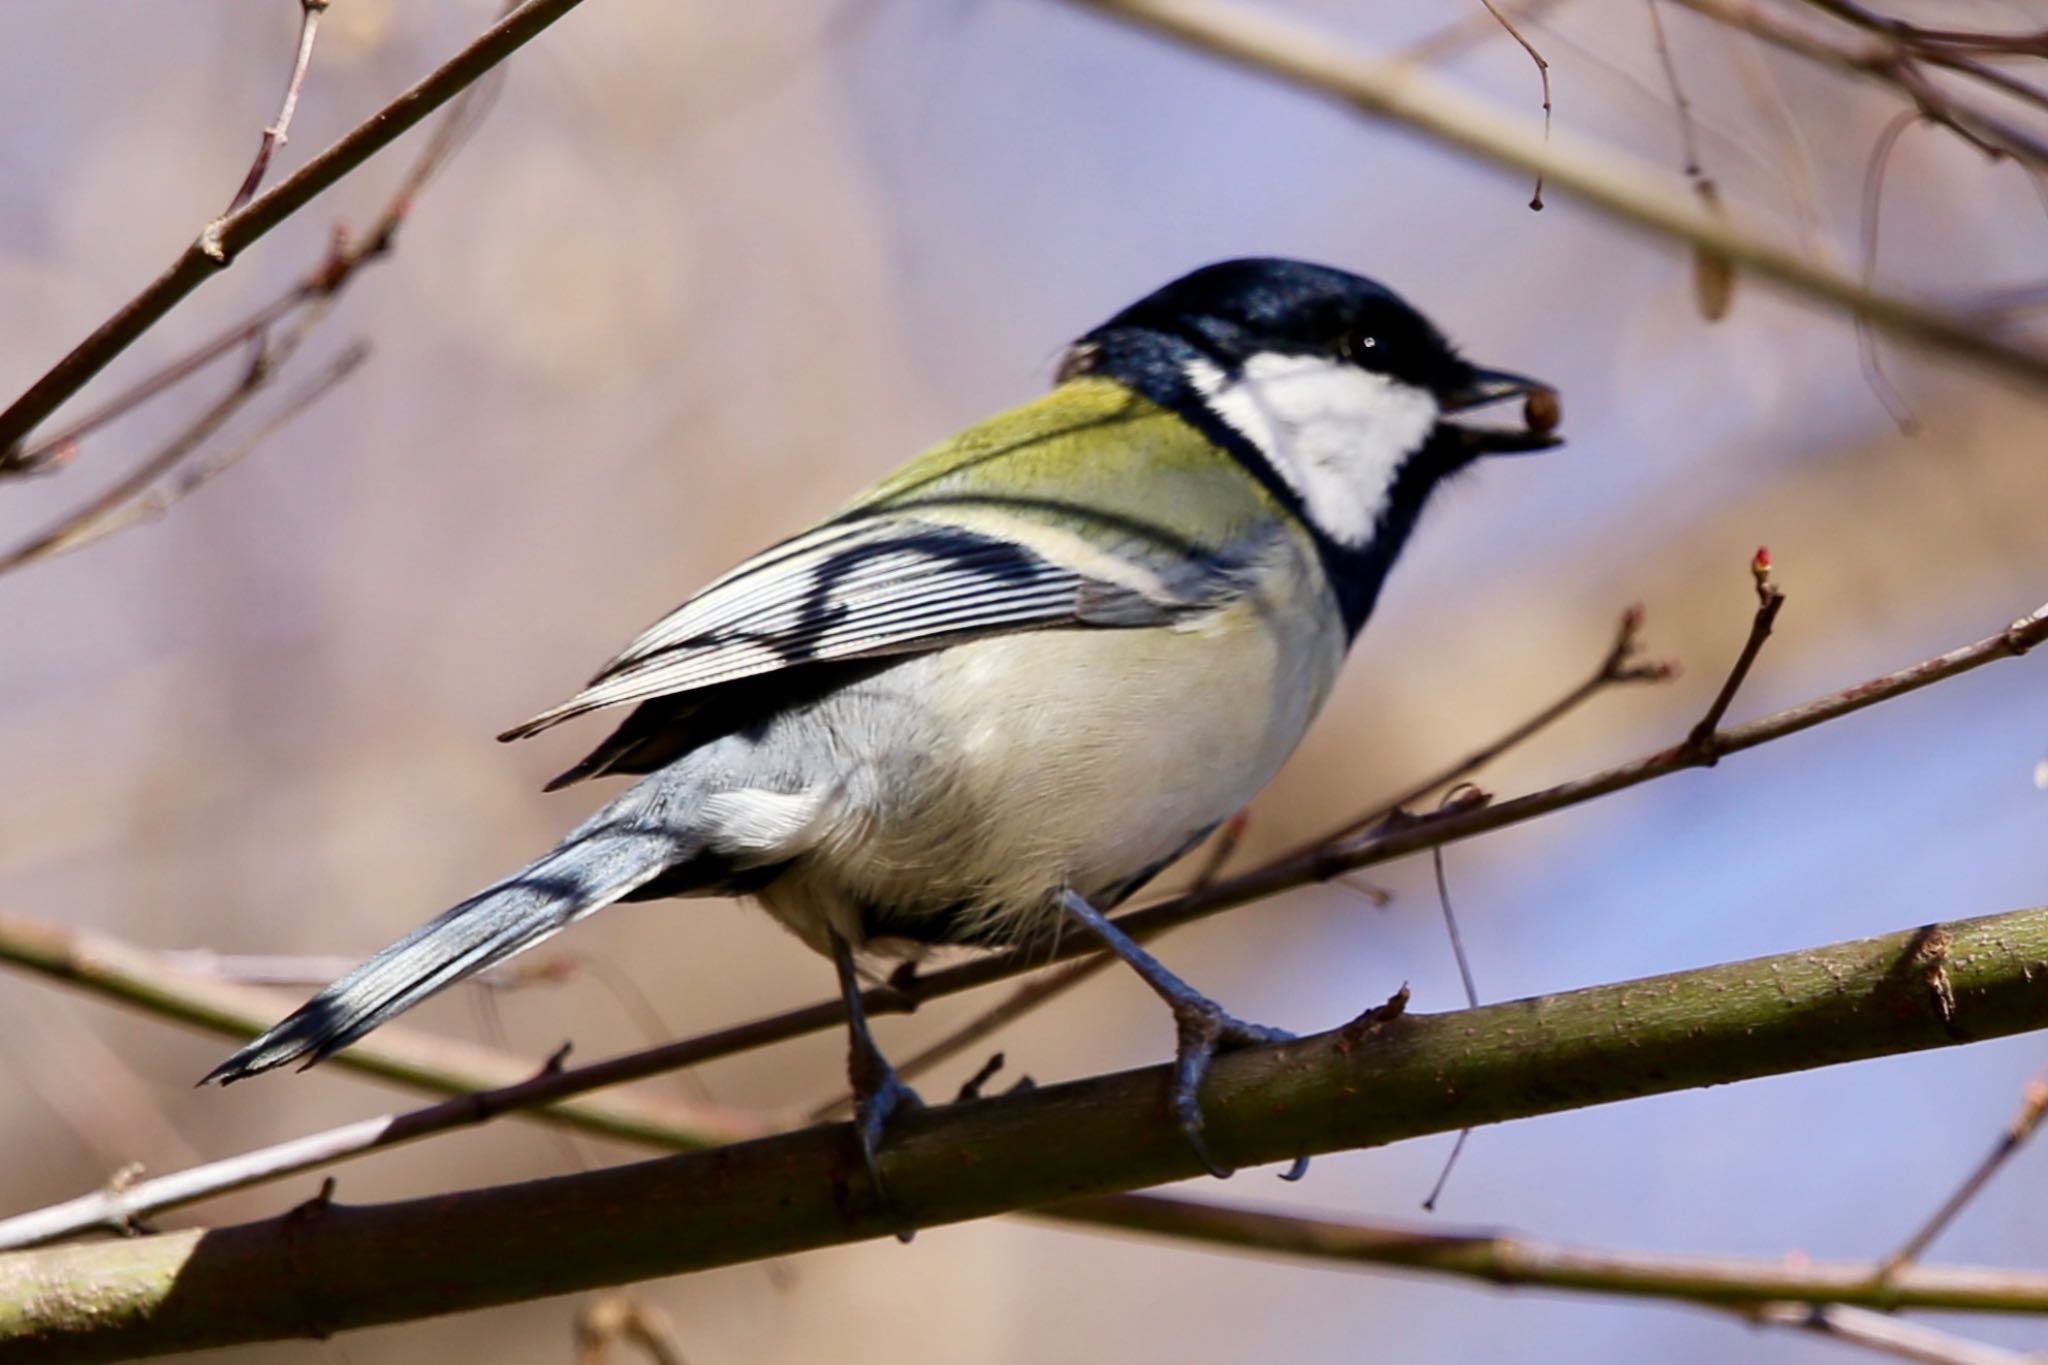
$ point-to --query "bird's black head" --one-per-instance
(1338, 395)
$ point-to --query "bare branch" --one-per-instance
(279, 131)
(2033, 1107)
(112, 969)
(226, 238)
(1497, 1258)
(1770, 599)
(306, 303)
(1272, 45)
(136, 977)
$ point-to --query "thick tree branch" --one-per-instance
(327, 1267)
(1276, 46)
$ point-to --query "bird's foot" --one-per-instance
(1204, 1029)
(878, 1095)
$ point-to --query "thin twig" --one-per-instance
(1277, 47)
(113, 969)
(226, 238)
(1464, 961)
(84, 524)
(1517, 1262)
(1453, 38)
(118, 1207)
(154, 502)
(1874, 173)
(1713, 274)
(2033, 1107)
(1688, 140)
(1542, 75)
(279, 131)
(1770, 599)
(407, 1057)
(1896, 65)
(57, 449)
(305, 304)
(1618, 666)
(1886, 1335)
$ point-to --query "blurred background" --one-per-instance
(706, 270)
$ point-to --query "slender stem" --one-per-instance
(1501, 1259)
(2032, 1109)
(1770, 600)
(224, 239)
(135, 977)
(1272, 45)
(279, 131)
(115, 970)
(1886, 1335)
(1617, 666)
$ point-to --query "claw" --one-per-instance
(1202, 1026)
(1204, 1030)
(878, 1096)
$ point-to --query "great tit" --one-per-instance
(1020, 676)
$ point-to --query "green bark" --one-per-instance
(327, 1268)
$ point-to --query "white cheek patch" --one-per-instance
(1335, 434)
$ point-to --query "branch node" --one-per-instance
(1370, 1022)
(210, 245)
(2028, 631)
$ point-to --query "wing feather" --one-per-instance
(863, 588)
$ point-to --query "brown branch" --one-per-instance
(1511, 1262)
(196, 475)
(1617, 666)
(1891, 63)
(141, 494)
(279, 131)
(1542, 76)
(2032, 1109)
(224, 239)
(114, 970)
(1770, 600)
(306, 303)
(1276, 47)
(396, 1054)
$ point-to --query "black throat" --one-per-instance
(1155, 364)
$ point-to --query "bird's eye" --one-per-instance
(1353, 346)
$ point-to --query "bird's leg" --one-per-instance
(1203, 1026)
(877, 1090)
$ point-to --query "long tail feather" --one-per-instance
(602, 861)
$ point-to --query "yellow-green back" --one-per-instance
(1092, 457)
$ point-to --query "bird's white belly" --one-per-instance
(1005, 770)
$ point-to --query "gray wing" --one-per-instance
(867, 589)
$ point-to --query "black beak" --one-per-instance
(1540, 413)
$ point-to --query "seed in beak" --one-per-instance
(1542, 410)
